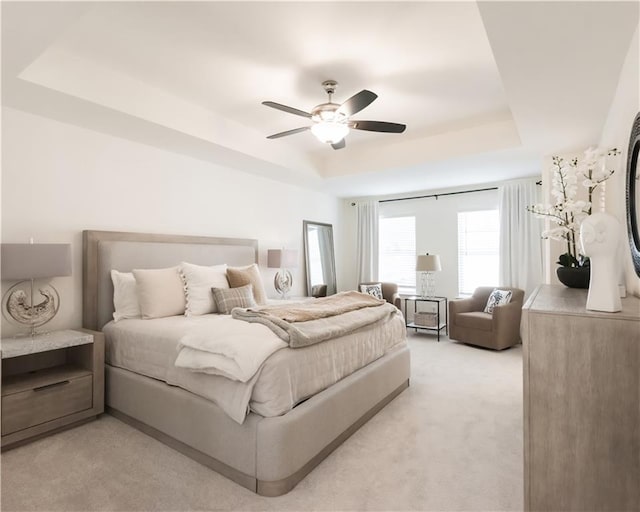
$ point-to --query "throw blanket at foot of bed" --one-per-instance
(305, 323)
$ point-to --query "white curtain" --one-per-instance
(520, 244)
(367, 241)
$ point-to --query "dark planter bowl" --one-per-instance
(574, 277)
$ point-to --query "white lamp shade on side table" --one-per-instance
(282, 258)
(428, 263)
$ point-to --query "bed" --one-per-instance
(268, 453)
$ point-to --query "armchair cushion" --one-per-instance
(475, 320)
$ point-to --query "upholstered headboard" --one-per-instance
(123, 251)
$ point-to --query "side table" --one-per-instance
(439, 323)
(50, 382)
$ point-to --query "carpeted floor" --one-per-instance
(452, 441)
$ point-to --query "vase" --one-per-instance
(574, 277)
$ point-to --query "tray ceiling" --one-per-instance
(475, 82)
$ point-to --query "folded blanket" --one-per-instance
(304, 324)
(233, 349)
(324, 307)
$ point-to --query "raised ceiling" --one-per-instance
(486, 89)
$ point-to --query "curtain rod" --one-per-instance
(435, 195)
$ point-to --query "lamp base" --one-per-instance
(282, 282)
(19, 308)
(427, 285)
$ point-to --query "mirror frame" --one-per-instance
(305, 238)
(633, 182)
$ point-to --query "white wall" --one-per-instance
(624, 107)
(436, 232)
(58, 180)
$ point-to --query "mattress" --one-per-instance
(287, 377)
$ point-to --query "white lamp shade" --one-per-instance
(27, 261)
(282, 258)
(428, 263)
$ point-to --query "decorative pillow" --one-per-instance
(497, 298)
(160, 292)
(375, 290)
(198, 282)
(125, 296)
(242, 276)
(229, 298)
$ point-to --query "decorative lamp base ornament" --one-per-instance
(282, 282)
(19, 307)
(427, 285)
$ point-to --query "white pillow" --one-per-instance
(160, 292)
(125, 296)
(497, 298)
(198, 282)
(375, 290)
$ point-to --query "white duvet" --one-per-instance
(285, 378)
(231, 348)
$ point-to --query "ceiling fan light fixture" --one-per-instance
(330, 132)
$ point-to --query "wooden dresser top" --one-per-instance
(558, 299)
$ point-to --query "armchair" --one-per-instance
(319, 290)
(389, 292)
(470, 324)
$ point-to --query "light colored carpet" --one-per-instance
(452, 441)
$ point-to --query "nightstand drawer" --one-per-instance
(46, 402)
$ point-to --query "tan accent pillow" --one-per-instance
(160, 292)
(242, 276)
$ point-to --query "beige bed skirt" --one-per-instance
(266, 455)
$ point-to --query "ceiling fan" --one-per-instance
(332, 121)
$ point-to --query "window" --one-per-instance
(478, 250)
(397, 251)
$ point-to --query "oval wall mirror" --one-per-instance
(320, 259)
(633, 193)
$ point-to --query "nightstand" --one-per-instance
(50, 382)
(437, 324)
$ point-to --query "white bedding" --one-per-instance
(233, 349)
(288, 376)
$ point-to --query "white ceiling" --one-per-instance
(486, 89)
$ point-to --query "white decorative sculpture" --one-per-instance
(599, 235)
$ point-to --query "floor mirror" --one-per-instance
(319, 258)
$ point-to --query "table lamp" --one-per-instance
(283, 259)
(427, 264)
(27, 263)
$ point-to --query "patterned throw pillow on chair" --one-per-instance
(497, 298)
(375, 290)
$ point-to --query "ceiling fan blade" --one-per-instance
(339, 145)
(288, 132)
(285, 108)
(357, 102)
(378, 126)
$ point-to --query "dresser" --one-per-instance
(581, 403)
